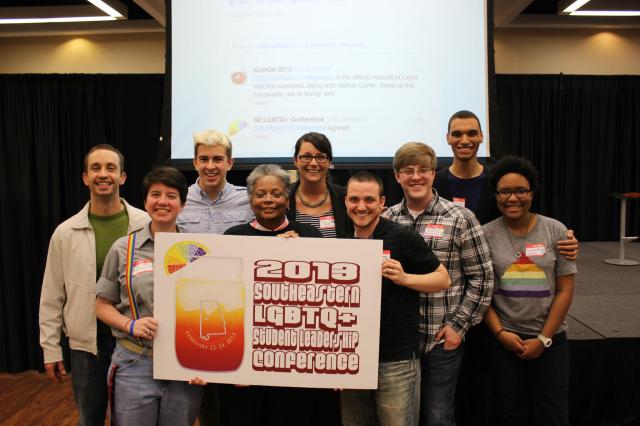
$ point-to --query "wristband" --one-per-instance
(499, 332)
(126, 324)
(133, 323)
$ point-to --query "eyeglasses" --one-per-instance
(409, 172)
(320, 158)
(518, 192)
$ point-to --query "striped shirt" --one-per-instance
(456, 238)
(325, 223)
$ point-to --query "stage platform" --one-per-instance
(604, 341)
(604, 337)
(606, 302)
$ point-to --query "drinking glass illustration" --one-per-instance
(210, 314)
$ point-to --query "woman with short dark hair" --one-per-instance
(125, 302)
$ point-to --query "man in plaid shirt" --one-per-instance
(455, 236)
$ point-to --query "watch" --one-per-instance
(546, 342)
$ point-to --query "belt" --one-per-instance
(135, 348)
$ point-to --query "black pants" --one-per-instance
(278, 406)
(537, 388)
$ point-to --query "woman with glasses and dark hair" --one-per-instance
(313, 199)
(533, 292)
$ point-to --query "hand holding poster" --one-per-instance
(299, 312)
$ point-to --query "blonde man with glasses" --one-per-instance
(456, 238)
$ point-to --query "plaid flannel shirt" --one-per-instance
(455, 236)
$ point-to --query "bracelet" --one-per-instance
(133, 323)
(126, 324)
(499, 332)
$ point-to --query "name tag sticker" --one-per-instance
(434, 231)
(534, 250)
(458, 201)
(386, 255)
(327, 222)
(141, 266)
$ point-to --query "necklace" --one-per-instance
(313, 205)
(512, 238)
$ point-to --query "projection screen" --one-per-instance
(370, 75)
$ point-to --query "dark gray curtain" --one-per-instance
(47, 124)
(582, 133)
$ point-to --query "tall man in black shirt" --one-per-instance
(411, 268)
(466, 183)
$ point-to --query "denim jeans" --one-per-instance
(538, 387)
(140, 400)
(395, 403)
(89, 381)
(440, 370)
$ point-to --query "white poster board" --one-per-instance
(301, 312)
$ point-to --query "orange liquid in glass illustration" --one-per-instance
(210, 315)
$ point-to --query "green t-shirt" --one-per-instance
(107, 230)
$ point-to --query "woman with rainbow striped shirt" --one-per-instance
(533, 292)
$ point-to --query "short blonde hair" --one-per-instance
(414, 153)
(211, 138)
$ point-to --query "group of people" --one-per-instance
(470, 265)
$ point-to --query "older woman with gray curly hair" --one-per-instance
(268, 189)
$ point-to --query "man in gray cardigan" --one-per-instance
(77, 250)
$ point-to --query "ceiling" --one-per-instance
(149, 16)
(134, 10)
(142, 16)
(545, 14)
